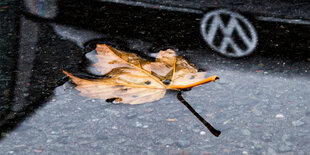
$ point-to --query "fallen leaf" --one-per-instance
(134, 80)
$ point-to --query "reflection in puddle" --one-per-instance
(27, 54)
(78, 36)
(42, 8)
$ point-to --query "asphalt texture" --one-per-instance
(263, 7)
(260, 104)
(7, 51)
(261, 107)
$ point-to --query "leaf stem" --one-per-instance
(202, 120)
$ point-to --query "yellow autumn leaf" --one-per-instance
(134, 80)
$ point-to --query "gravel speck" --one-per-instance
(271, 151)
(131, 115)
(257, 112)
(279, 116)
(26, 94)
(257, 92)
(276, 107)
(166, 141)
(183, 143)
(267, 137)
(288, 139)
(148, 152)
(71, 125)
(257, 145)
(112, 112)
(298, 123)
(246, 132)
(101, 137)
(240, 145)
(94, 144)
(196, 130)
(202, 132)
(138, 124)
(121, 141)
(284, 148)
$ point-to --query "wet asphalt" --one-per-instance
(260, 109)
(260, 104)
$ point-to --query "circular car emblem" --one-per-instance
(228, 33)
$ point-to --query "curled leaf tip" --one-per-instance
(68, 74)
(214, 78)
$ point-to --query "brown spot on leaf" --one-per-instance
(110, 100)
